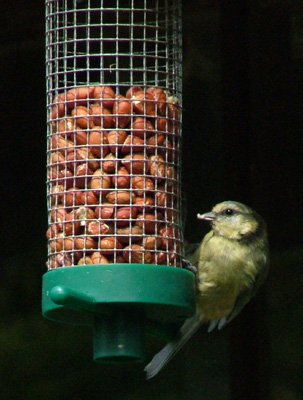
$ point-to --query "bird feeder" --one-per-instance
(115, 241)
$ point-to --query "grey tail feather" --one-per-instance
(159, 361)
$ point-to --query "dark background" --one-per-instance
(242, 140)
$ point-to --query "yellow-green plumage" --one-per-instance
(232, 260)
(231, 264)
(218, 289)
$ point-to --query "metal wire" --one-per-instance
(103, 129)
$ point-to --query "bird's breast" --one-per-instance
(222, 269)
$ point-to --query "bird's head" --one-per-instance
(234, 220)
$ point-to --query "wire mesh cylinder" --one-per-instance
(114, 129)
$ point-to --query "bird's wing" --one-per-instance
(244, 296)
(189, 327)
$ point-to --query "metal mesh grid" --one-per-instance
(114, 100)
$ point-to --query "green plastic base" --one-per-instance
(122, 302)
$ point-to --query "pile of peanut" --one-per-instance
(113, 184)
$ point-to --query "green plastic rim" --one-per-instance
(165, 294)
(121, 302)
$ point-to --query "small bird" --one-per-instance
(231, 263)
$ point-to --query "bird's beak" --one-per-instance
(210, 216)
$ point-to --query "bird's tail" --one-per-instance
(159, 361)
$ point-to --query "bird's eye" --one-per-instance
(228, 212)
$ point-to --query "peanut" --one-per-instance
(152, 242)
(153, 142)
(149, 222)
(119, 197)
(85, 242)
(83, 214)
(100, 181)
(109, 164)
(83, 119)
(85, 261)
(58, 107)
(52, 231)
(98, 142)
(157, 167)
(79, 96)
(116, 139)
(109, 245)
(136, 254)
(127, 234)
(58, 216)
(161, 258)
(83, 175)
(125, 215)
(122, 111)
(132, 143)
(88, 198)
(71, 226)
(98, 258)
(80, 137)
(66, 126)
(105, 211)
(141, 185)
(72, 197)
(132, 90)
(56, 194)
(142, 127)
(105, 95)
(97, 228)
(143, 103)
(61, 144)
(144, 202)
(101, 116)
(160, 97)
(136, 163)
(121, 180)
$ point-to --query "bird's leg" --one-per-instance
(187, 265)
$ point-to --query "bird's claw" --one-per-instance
(187, 265)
